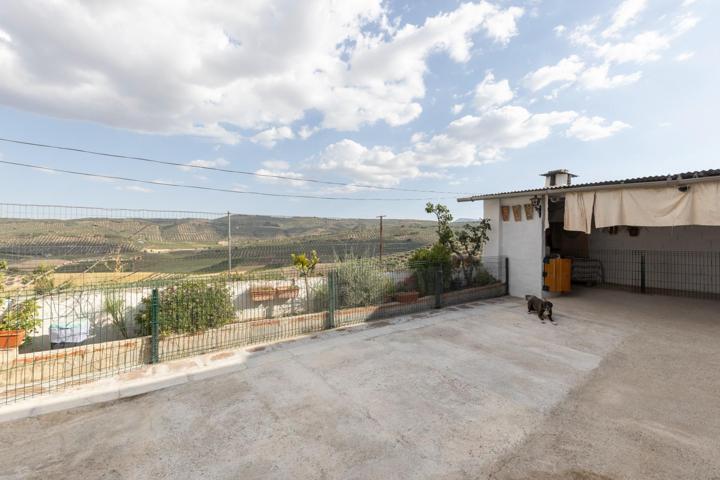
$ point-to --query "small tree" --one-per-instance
(467, 245)
(470, 244)
(305, 265)
(444, 218)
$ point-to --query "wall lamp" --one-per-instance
(537, 204)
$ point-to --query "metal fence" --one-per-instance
(90, 245)
(66, 335)
(687, 274)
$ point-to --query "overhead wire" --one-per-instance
(208, 188)
(221, 169)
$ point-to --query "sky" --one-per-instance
(425, 95)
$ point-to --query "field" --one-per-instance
(94, 249)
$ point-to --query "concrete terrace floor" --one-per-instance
(625, 387)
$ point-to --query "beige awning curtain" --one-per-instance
(699, 204)
(579, 211)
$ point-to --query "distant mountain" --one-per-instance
(140, 233)
(465, 220)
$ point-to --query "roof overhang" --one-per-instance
(560, 190)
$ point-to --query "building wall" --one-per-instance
(521, 242)
(680, 239)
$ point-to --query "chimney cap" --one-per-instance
(555, 172)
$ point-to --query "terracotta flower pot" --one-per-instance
(407, 297)
(11, 338)
(287, 292)
(262, 294)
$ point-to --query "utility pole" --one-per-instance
(229, 238)
(381, 235)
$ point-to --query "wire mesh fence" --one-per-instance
(58, 338)
(90, 293)
(91, 245)
(687, 274)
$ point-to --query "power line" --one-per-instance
(219, 169)
(203, 187)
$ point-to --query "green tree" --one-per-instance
(470, 244)
(467, 244)
(445, 232)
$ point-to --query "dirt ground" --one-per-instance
(624, 387)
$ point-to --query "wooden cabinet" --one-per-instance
(557, 273)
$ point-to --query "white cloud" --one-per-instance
(489, 94)
(594, 128)
(377, 165)
(596, 78)
(507, 127)
(282, 173)
(644, 47)
(213, 69)
(685, 56)
(566, 70)
(219, 162)
(307, 131)
(268, 138)
(133, 188)
(470, 140)
(457, 108)
(559, 30)
(276, 164)
(625, 15)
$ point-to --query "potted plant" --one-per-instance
(406, 291)
(16, 321)
(262, 293)
(286, 292)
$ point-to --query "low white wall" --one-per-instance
(520, 241)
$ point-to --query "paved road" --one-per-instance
(624, 387)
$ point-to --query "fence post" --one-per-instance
(154, 340)
(507, 276)
(438, 286)
(331, 298)
(642, 273)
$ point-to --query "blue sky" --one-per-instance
(466, 97)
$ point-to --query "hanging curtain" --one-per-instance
(699, 204)
(579, 211)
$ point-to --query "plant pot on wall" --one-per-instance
(287, 292)
(517, 212)
(11, 339)
(529, 211)
(505, 211)
(262, 294)
(407, 297)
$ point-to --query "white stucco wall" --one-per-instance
(521, 242)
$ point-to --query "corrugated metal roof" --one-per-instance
(628, 181)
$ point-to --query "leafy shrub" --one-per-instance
(21, 316)
(483, 277)
(361, 282)
(426, 262)
(190, 307)
(42, 279)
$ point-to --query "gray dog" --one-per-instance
(540, 306)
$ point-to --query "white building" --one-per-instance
(657, 234)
